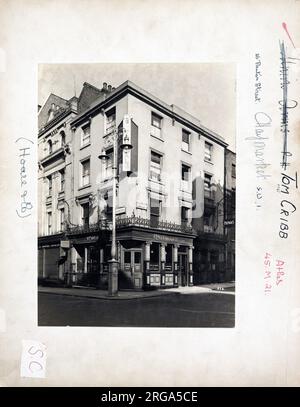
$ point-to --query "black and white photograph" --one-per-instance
(150, 222)
(136, 195)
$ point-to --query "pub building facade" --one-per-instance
(170, 199)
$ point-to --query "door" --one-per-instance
(182, 265)
(133, 266)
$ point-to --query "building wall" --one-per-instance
(56, 201)
(173, 157)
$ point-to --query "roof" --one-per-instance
(173, 111)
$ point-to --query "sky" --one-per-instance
(206, 91)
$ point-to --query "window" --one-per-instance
(207, 186)
(49, 221)
(208, 151)
(62, 219)
(233, 171)
(85, 214)
(155, 166)
(137, 257)
(185, 145)
(184, 214)
(85, 173)
(185, 172)
(62, 180)
(207, 223)
(50, 146)
(62, 139)
(127, 257)
(155, 209)
(49, 185)
(156, 125)
(110, 121)
(108, 163)
(85, 135)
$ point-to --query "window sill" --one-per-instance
(86, 145)
(157, 138)
(208, 162)
(107, 179)
(188, 152)
(156, 181)
(84, 187)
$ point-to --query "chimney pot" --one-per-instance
(104, 86)
(109, 88)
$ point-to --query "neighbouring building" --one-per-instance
(171, 188)
(229, 221)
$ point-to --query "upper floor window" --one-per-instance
(185, 144)
(185, 172)
(108, 170)
(50, 146)
(49, 184)
(184, 214)
(233, 171)
(186, 177)
(155, 211)
(62, 179)
(207, 186)
(85, 214)
(110, 121)
(85, 172)
(85, 135)
(156, 125)
(208, 151)
(207, 226)
(49, 222)
(155, 166)
(61, 219)
(62, 139)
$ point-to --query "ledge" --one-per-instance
(208, 162)
(187, 152)
(85, 146)
(157, 138)
(84, 187)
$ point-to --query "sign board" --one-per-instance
(126, 140)
(65, 244)
(229, 222)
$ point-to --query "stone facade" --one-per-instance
(170, 200)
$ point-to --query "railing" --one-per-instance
(91, 228)
(145, 223)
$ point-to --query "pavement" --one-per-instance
(132, 294)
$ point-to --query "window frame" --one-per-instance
(85, 143)
(108, 123)
(233, 172)
(160, 166)
(82, 184)
(157, 116)
(83, 206)
(62, 174)
(49, 222)
(61, 219)
(188, 172)
(208, 190)
(208, 157)
(185, 144)
(50, 184)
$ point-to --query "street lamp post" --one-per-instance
(113, 262)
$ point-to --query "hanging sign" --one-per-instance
(126, 140)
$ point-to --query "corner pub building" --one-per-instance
(170, 191)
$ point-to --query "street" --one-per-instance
(191, 310)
